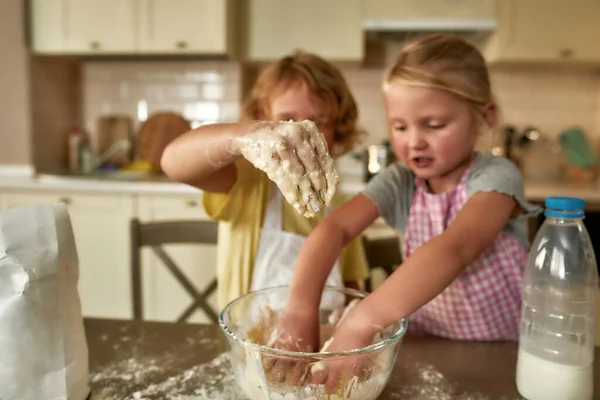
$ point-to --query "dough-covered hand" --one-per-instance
(294, 155)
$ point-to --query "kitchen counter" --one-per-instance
(91, 185)
(145, 360)
(157, 185)
(535, 191)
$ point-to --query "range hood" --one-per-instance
(475, 31)
(400, 20)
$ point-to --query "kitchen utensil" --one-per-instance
(541, 157)
(376, 159)
(156, 133)
(583, 162)
(112, 129)
(239, 320)
(577, 148)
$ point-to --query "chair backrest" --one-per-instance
(167, 232)
(382, 253)
(156, 234)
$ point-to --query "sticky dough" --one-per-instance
(294, 155)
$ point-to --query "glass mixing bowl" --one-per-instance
(258, 311)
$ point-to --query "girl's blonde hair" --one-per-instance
(445, 62)
(322, 79)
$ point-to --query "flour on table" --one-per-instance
(430, 384)
(211, 381)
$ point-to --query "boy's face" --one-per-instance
(298, 103)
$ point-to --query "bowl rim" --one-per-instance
(393, 339)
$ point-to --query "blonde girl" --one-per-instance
(462, 213)
(263, 234)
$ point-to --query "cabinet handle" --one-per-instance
(95, 45)
(181, 44)
(566, 53)
(65, 200)
(192, 203)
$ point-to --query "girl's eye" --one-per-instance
(436, 126)
(398, 128)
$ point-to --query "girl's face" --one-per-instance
(298, 103)
(433, 133)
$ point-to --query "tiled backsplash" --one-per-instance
(211, 91)
(202, 91)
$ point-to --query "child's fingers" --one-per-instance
(297, 374)
(328, 186)
(278, 372)
(318, 373)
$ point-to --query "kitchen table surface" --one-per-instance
(151, 360)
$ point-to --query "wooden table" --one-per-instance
(163, 360)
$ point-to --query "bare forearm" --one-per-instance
(315, 263)
(427, 272)
(203, 156)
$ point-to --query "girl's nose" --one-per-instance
(416, 140)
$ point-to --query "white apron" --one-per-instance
(278, 253)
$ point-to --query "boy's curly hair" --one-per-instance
(321, 78)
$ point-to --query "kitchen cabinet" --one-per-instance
(331, 29)
(163, 297)
(546, 31)
(429, 9)
(101, 228)
(48, 32)
(132, 26)
(84, 26)
(185, 26)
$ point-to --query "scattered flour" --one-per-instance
(430, 384)
(211, 381)
(216, 380)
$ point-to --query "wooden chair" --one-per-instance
(382, 253)
(156, 234)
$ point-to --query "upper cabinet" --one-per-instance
(184, 26)
(106, 26)
(331, 28)
(546, 31)
(84, 26)
(515, 31)
(131, 26)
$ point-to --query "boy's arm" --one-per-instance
(204, 157)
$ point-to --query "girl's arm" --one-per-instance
(204, 156)
(323, 247)
(429, 270)
(300, 324)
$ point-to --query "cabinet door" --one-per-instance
(183, 26)
(163, 297)
(564, 31)
(48, 26)
(331, 29)
(101, 228)
(101, 26)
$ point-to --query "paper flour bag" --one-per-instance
(43, 350)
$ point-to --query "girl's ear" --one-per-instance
(490, 114)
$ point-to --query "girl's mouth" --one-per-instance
(421, 162)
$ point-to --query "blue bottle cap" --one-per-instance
(565, 207)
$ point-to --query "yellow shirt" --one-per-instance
(243, 209)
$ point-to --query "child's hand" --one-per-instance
(352, 333)
(296, 332)
(294, 155)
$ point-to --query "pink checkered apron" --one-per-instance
(484, 302)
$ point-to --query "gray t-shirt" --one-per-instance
(392, 192)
